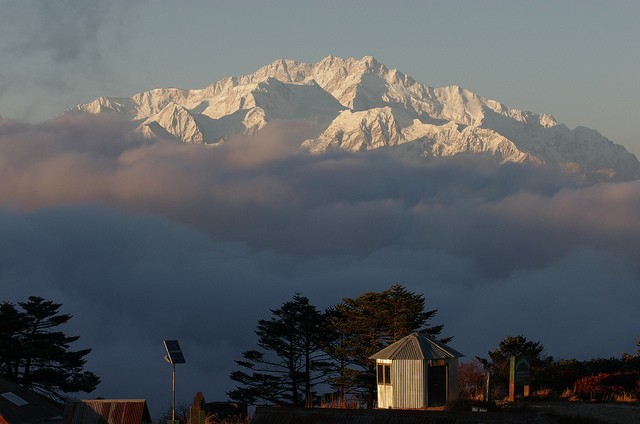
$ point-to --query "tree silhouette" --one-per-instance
(291, 361)
(515, 346)
(35, 355)
(368, 323)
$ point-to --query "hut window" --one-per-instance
(384, 374)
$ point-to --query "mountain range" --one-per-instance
(360, 105)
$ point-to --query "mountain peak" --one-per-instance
(370, 62)
(360, 104)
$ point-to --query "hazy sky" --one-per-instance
(577, 60)
(143, 242)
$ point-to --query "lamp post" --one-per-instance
(174, 356)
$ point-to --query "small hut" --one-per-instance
(416, 372)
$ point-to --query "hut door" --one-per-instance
(437, 385)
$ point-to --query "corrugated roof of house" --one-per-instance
(31, 407)
(417, 346)
(102, 411)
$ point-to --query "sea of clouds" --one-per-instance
(149, 240)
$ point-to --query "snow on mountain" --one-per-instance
(359, 105)
(451, 139)
(359, 130)
(175, 120)
(121, 105)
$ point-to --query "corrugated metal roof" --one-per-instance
(417, 346)
(104, 411)
(37, 408)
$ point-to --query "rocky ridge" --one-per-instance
(360, 105)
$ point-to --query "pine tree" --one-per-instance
(514, 346)
(12, 325)
(35, 355)
(291, 361)
(368, 323)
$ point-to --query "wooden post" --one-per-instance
(487, 385)
(519, 374)
(512, 379)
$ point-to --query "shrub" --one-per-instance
(470, 380)
(605, 386)
(544, 393)
(568, 394)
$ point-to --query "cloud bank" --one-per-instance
(144, 241)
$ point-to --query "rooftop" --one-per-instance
(417, 346)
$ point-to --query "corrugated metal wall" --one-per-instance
(409, 383)
(409, 379)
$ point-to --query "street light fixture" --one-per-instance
(174, 356)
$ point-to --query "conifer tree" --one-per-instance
(12, 326)
(37, 356)
(368, 323)
(291, 361)
(514, 346)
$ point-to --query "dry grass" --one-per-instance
(626, 397)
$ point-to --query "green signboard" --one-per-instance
(520, 370)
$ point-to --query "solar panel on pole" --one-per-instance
(174, 352)
(174, 356)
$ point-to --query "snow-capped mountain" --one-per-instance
(360, 105)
